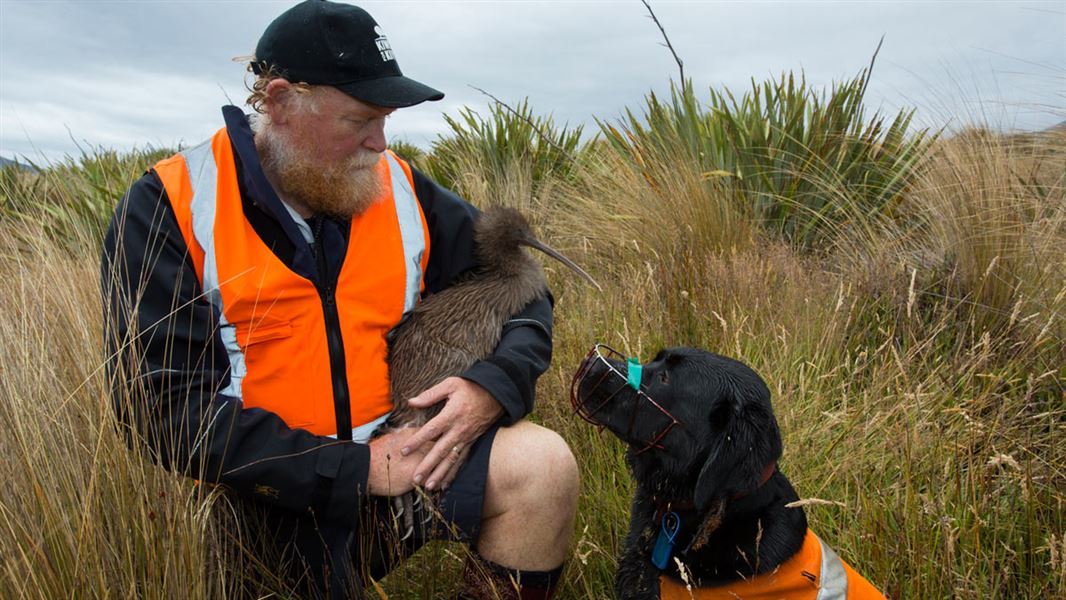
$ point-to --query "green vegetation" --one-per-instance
(76, 196)
(902, 294)
(489, 153)
(800, 161)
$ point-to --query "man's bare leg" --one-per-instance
(530, 499)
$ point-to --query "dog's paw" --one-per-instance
(646, 592)
(637, 583)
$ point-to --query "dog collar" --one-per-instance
(767, 473)
(664, 506)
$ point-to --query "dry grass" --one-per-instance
(81, 515)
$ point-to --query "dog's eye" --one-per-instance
(664, 377)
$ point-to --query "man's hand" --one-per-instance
(391, 471)
(470, 410)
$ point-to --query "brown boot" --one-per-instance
(484, 580)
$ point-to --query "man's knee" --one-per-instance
(531, 464)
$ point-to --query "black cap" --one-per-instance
(329, 43)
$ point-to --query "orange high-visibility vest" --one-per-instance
(814, 573)
(272, 320)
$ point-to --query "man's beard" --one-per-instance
(340, 189)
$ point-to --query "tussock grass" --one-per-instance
(81, 515)
(915, 355)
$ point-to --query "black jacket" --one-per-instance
(163, 342)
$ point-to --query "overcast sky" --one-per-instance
(120, 74)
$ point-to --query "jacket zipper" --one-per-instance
(337, 365)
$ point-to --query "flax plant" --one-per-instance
(800, 160)
(483, 152)
(77, 194)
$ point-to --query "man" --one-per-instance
(251, 282)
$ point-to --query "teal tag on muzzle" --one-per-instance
(635, 371)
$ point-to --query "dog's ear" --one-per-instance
(744, 439)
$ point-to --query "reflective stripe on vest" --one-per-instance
(271, 320)
(411, 231)
(203, 175)
(833, 580)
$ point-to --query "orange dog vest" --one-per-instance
(272, 320)
(814, 573)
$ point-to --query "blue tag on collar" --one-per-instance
(664, 544)
(636, 370)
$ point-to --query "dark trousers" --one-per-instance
(327, 560)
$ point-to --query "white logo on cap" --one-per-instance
(383, 45)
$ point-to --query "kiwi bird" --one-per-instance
(451, 330)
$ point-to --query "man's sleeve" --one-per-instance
(524, 352)
(168, 362)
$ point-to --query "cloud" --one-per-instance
(122, 73)
(112, 106)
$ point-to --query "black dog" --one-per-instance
(709, 512)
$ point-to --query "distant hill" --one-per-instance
(6, 162)
(1060, 127)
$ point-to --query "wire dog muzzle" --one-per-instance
(606, 385)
